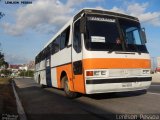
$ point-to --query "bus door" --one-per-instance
(78, 81)
(48, 72)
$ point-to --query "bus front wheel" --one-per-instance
(67, 91)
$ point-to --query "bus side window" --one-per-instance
(56, 45)
(36, 60)
(52, 48)
(43, 55)
(40, 57)
(65, 38)
(77, 37)
(47, 51)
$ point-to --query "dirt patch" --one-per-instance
(7, 98)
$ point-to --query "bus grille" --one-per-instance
(124, 72)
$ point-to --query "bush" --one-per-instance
(28, 73)
(6, 72)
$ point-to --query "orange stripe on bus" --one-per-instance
(111, 63)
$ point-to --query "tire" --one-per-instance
(39, 81)
(144, 91)
(68, 93)
(43, 86)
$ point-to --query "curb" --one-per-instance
(20, 109)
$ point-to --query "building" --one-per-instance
(158, 65)
(31, 65)
(23, 67)
(158, 62)
(14, 69)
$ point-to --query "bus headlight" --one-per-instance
(89, 73)
(96, 73)
(103, 73)
(145, 72)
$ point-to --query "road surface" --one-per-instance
(51, 103)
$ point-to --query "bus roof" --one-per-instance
(104, 12)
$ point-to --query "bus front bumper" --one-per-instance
(117, 84)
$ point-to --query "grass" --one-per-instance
(7, 99)
(4, 81)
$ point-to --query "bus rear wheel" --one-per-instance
(39, 82)
(67, 91)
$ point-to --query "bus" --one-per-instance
(97, 51)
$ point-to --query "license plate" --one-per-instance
(126, 84)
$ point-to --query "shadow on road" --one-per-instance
(116, 95)
(41, 104)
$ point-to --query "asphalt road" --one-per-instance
(154, 88)
(51, 103)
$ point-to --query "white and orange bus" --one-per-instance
(97, 51)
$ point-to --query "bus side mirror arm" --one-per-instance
(144, 35)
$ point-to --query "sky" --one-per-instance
(26, 28)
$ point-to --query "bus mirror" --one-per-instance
(144, 35)
(83, 25)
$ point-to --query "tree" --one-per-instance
(2, 61)
(28, 73)
(22, 73)
(6, 72)
(1, 15)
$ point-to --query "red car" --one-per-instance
(157, 69)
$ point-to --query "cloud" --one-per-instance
(137, 8)
(16, 59)
(116, 9)
(95, 0)
(49, 15)
(39, 13)
(52, 13)
(140, 11)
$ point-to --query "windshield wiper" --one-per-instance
(111, 50)
(135, 46)
(118, 42)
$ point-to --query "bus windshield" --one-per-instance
(132, 36)
(103, 34)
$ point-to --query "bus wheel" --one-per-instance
(39, 82)
(39, 79)
(68, 93)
